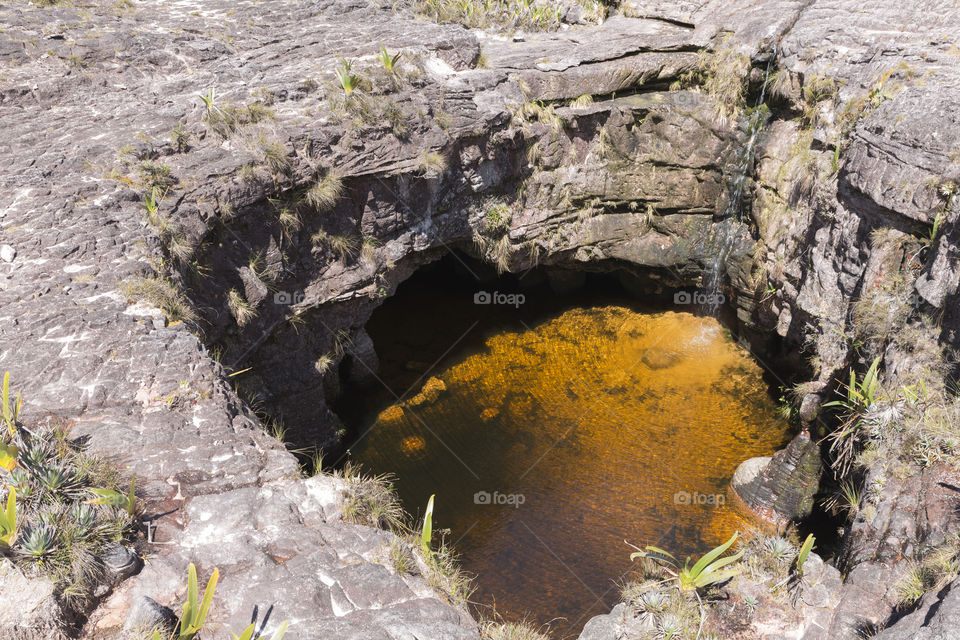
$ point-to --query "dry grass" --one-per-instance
(324, 192)
(723, 74)
(502, 15)
(372, 500)
(162, 294)
(243, 312)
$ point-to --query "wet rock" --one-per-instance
(781, 488)
(660, 358)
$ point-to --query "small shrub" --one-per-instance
(154, 176)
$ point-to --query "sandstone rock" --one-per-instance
(780, 488)
(147, 616)
(28, 606)
(937, 618)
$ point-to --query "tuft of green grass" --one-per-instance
(372, 500)
(503, 15)
(584, 100)
(324, 192)
(162, 294)
(243, 312)
(432, 163)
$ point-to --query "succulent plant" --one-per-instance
(37, 541)
(668, 627)
(56, 479)
(779, 548)
(20, 480)
(35, 456)
(654, 602)
(84, 518)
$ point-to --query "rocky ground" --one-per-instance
(152, 245)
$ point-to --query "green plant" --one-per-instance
(8, 520)
(860, 396)
(348, 80)
(38, 540)
(44, 522)
(804, 552)
(426, 532)
(10, 411)
(179, 138)
(778, 548)
(194, 609)
(127, 501)
(151, 201)
(709, 569)
(247, 634)
(325, 191)
(243, 312)
(388, 61)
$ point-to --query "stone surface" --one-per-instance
(28, 606)
(635, 181)
(781, 488)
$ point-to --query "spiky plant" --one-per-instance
(57, 481)
(348, 80)
(45, 523)
(37, 541)
(778, 548)
(389, 61)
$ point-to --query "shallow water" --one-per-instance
(558, 438)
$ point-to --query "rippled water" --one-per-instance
(554, 440)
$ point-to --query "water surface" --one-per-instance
(552, 440)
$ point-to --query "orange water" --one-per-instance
(592, 426)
